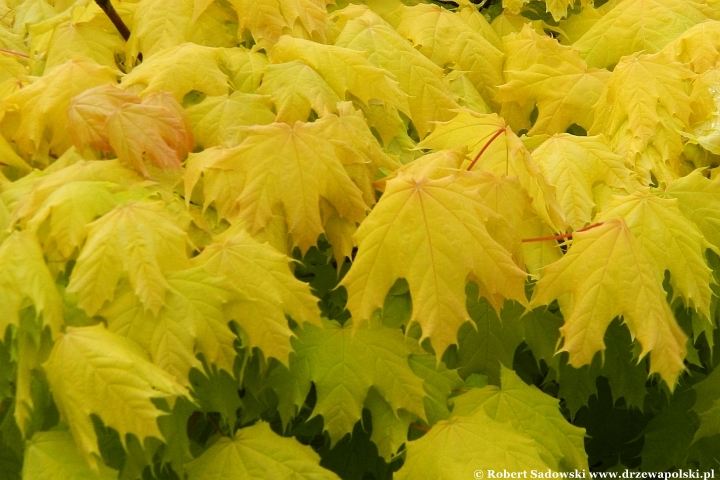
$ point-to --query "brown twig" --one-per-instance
(419, 427)
(109, 10)
(560, 237)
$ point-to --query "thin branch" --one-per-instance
(485, 147)
(109, 10)
(560, 237)
(17, 54)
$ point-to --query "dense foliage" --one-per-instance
(380, 239)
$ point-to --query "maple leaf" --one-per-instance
(502, 154)
(697, 48)
(179, 70)
(112, 120)
(219, 121)
(245, 68)
(94, 371)
(27, 195)
(351, 124)
(268, 20)
(637, 26)
(705, 104)
(43, 104)
(193, 320)
(70, 40)
(135, 130)
(510, 427)
(707, 406)
(26, 277)
(344, 363)
(584, 171)
(169, 342)
(267, 292)
(447, 39)
(429, 98)
(56, 452)
(608, 274)
(468, 96)
(161, 24)
(258, 452)
(515, 221)
(245, 182)
(67, 211)
(88, 113)
(345, 70)
(139, 239)
(699, 200)
(649, 95)
(296, 90)
(669, 241)
(557, 8)
(553, 77)
(532, 412)
(158, 25)
(407, 236)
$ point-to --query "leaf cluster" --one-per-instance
(358, 239)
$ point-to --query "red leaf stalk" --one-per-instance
(485, 147)
(559, 237)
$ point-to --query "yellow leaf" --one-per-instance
(153, 130)
(432, 233)
(191, 321)
(698, 48)
(296, 90)
(55, 453)
(88, 112)
(578, 167)
(467, 94)
(345, 70)
(67, 211)
(71, 40)
(179, 70)
(552, 77)
(429, 98)
(277, 164)
(94, 371)
(11, 68)
(158, 25)
(670, 241)
(608, 274)
(502, 154)
(515, 221)
(267, 291)
(633, 26)
(699, 200)
(139, 239)
(43, 105)
(705, 116)
(258, 452)
(26, 277)
(219, 121)
(642, 110)
(446, 39)
(268, 20)
(245, 68)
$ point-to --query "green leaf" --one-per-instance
(257, 452)
(94, 371)
(54, 456)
